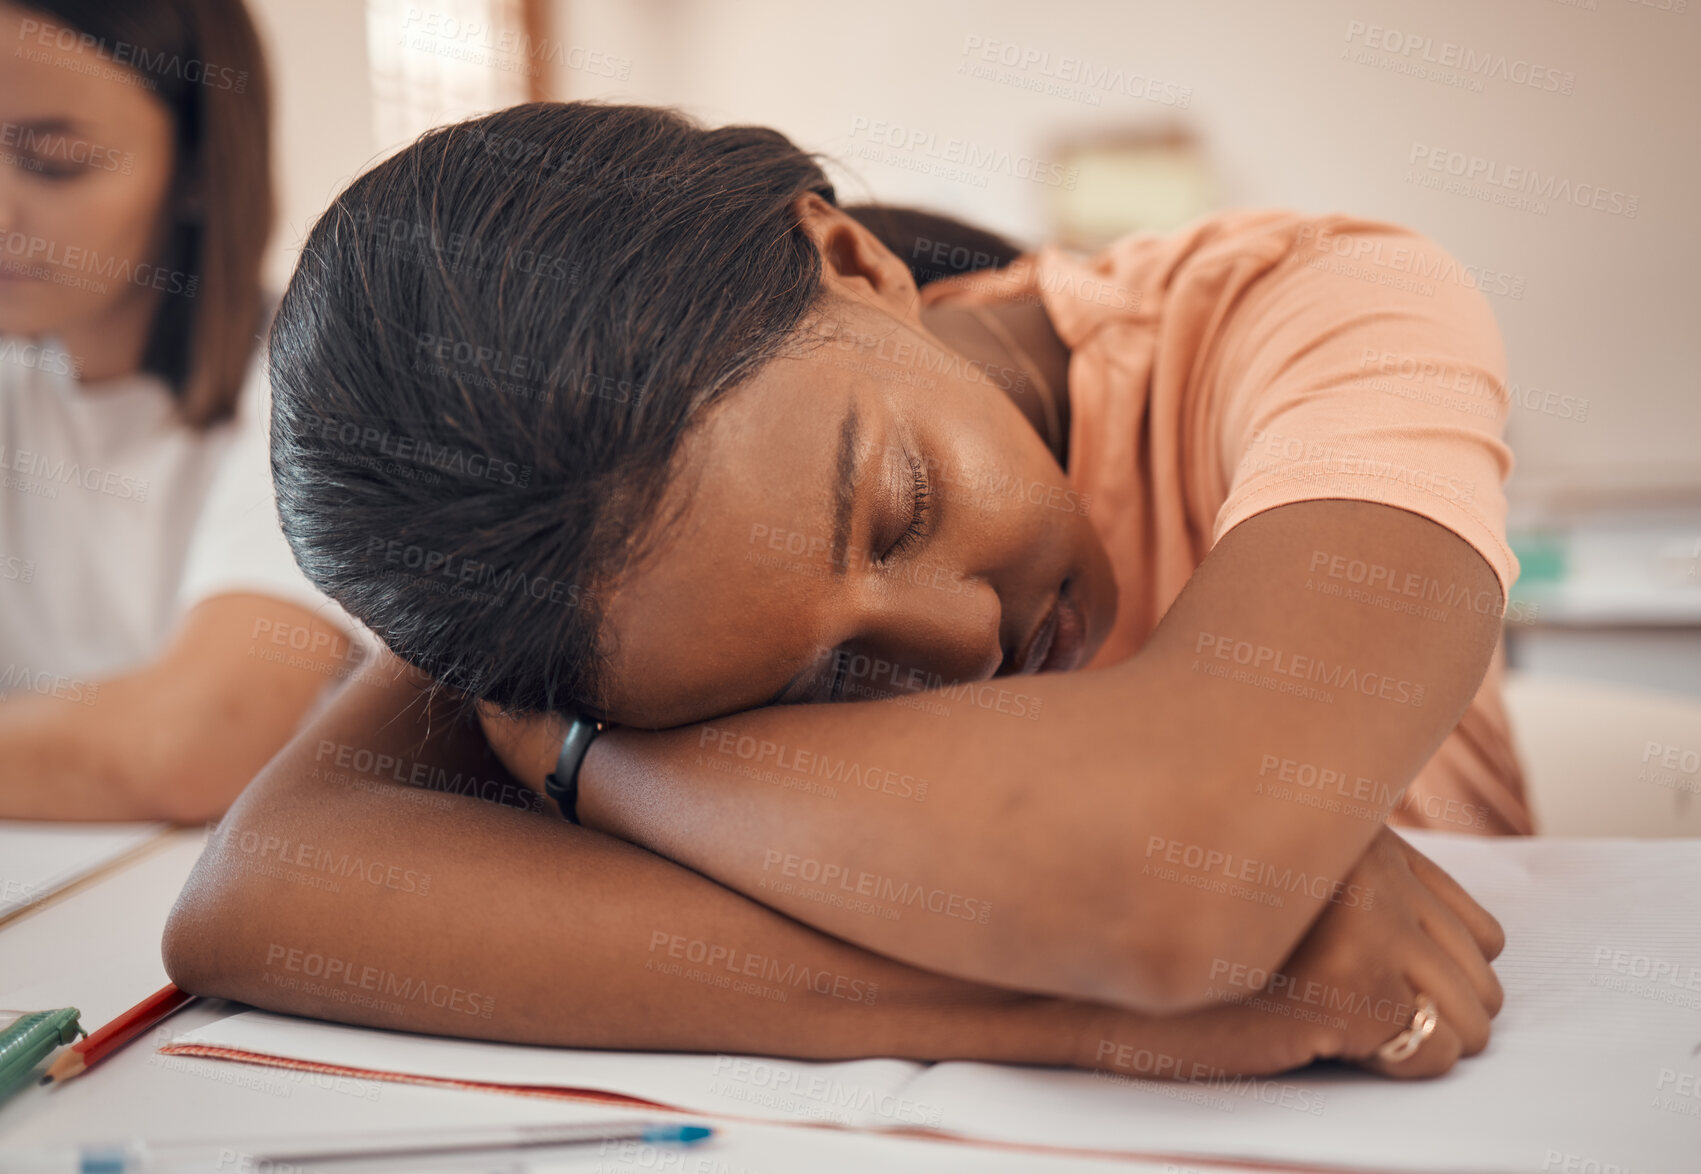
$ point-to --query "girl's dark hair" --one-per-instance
(202, 59)
(491, 349)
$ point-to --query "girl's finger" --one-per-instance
(1483, 928)
(1435, 974)
(1442, 924)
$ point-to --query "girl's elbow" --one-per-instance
(187, 947)
(206, 930)
(1186, 964)
(1168, 980)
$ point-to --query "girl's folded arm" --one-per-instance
(1198, 804)
(335, 891)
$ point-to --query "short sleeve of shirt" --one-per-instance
(238, 544)
(1365, 365)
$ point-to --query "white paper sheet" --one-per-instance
(39, 859)
(1595, 1062)
(861, 1093)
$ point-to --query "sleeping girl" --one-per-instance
(988, 655)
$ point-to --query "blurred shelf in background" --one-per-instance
(1611, 592)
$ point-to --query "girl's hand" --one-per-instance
(1200, 1047)
(527, 746)
(1349, 988)
(1362, 966)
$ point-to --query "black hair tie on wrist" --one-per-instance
(562, 784)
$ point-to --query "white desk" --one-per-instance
(98, 949)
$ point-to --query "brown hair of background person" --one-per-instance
(202, 59)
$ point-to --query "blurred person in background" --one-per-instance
(157, 643)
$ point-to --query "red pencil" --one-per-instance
(86, 1053)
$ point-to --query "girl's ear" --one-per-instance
(852, 257)
(527, 746)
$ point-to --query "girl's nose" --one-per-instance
(935, 630)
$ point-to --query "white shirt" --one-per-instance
(116, 518)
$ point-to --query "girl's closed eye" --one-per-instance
(919, 508)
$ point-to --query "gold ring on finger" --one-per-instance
(1405, 1045)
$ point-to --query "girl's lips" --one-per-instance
(1056, 644)
(1040, 643)
(1069, 636)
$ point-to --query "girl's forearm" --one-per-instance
(334, 891)
(1134, 835)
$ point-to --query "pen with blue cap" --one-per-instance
(137, 1157)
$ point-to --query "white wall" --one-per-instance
(322, 112)
(1609, 308)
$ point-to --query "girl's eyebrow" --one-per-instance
(844, 489)
(844, 509)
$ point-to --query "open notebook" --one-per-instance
(1595, 1063)
(38, 860)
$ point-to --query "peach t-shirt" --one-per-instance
(1256, 358)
